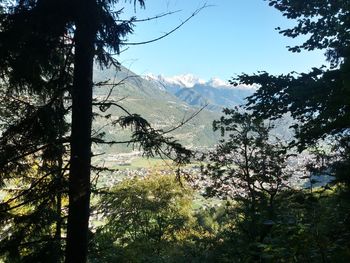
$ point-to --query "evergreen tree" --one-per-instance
(48, 49)
(35, 76)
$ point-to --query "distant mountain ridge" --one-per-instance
(166, 102)
(156, 104)
(215, 93)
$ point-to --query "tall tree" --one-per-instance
(48, 50)
(28, 62)
(248, 166)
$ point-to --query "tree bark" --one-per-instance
(80, 160)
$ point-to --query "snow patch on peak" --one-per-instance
(190, 80)
(216, 82)
(150, 76)
(186, 80)
(158, 80)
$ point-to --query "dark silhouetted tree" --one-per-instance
(48, 49)
(319, 100)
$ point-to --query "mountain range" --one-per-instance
(165, 102)
(214, 93)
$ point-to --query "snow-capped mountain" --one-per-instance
(217, 83)
(215, 92)
(153, 102)
(185, 81)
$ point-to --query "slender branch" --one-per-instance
(183, 122)
(26, 191)
(113, 85)
(168, 33)
(150, 18)
(101, 141)
(29, 152)
(29, 243)
(112, 104)
(24, 203)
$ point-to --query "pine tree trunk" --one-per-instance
(58, 231)
(79, 178)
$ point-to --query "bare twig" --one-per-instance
(150, 18)
(183, 122)
(168, 33)
(110, 103)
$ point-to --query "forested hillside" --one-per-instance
(167, 111)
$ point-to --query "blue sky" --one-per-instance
(227, 38)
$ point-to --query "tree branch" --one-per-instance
(168, 33)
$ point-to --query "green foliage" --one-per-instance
(152, 219)
(324, 22)
(249, 168)
(248, 164)
(308, 227)
(32, 146)
(147, 220)
(266, 221)
(39, 43)
(31, 219)
(311, 228)
(319, 100)
(153, 142)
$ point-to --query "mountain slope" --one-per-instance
(153, 102)
(223, 96)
